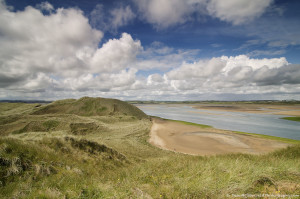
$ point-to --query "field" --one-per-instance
(90, 148)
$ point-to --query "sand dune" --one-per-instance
(195, 140)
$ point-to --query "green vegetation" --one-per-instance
(194, 124)
(87, 106)
(184, 122)
(285, 140)
(96, 154)
(296, 119)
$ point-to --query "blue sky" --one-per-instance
(150, 49)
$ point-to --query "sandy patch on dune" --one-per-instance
(154, 138)
(195, 140)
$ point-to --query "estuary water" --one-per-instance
(259, 123)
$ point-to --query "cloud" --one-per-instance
(163, 14)
(59, 52)
(155, 78)
(256, 53)
(167, 13)
(31, 42)
(45, 6)
(101, 82)
(161, 57)
(225, 74)
(219, 68)
(288, 74)
(98, 16)
(237, 11)
(111, 20)
(57, 55)
(200, 69)
(243, 60)
(121, 16)
(240, 77)
(116, 55)
(274, 34)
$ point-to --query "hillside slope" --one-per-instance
(88, 106)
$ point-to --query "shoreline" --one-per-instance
(285, 110)
(195, 139)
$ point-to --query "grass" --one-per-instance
(88, 106)
(184, 122)
(191, 123)
(113, 159)
(296, 119)
(285, 140)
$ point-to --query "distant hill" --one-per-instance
(277, 102)
(27, 101)
(88, 106)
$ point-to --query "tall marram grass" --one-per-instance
(53, 168)
(113, 159)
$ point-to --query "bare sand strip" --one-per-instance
(195, 140)
(289, 110)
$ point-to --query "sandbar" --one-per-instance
(288, 110)
(194, 140)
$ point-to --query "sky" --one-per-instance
(170, 50)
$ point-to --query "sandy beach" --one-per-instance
(195, 140)
(288, 110)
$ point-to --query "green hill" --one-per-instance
(88, 106)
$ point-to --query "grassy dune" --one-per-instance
(87, 106)
(91, 155)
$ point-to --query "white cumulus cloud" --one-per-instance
(59, 51)
(31, 42)
(163, 14)
(116, 54)
(58, 56)
(166, 13)
(243, 60)
(237, 11)
(234, 73)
